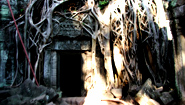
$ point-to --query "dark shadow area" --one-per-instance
(70, 73)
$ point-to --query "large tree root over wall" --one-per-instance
(131, 34)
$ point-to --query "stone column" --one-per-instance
(4, 18)
(54, 69)
(47, 69)
(50, 68)
(3, 61)
(180, 60)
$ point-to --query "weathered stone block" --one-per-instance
(67, 45)
(1, 46)
(54, 80)
(143, 97)
(2, 37)
(4, 12)
(179, 11)
(180, 2)
(166, 98)
(54, 64)
(47, 67)
(147, 89)
(54, 60)
(53, 55)
(69, 28)
(53, 72)
(85, 45)
(4, 54)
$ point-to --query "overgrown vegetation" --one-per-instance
(133, 31)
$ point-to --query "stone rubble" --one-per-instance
(30, 94)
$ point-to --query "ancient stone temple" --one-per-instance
(67, 61)
(83, 47)
(7, 39)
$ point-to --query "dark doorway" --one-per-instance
(70, 73)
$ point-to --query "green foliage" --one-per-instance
(103, 3)
(65, 10)
(83, 23)
(22, 10)
(173, 3)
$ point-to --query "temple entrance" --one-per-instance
(70, 69)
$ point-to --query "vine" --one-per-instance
(127, 23)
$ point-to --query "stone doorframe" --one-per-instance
(51, 58)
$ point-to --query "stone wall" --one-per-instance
(177, 18)
(7, 39)
(68, 31)
(176, 15)
(52, 58)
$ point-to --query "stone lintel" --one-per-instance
(71, 45)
